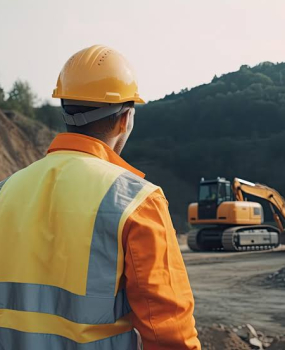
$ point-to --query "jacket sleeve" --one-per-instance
(157, 284)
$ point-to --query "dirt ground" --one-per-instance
(234, 289)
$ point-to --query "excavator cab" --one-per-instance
(211, 194)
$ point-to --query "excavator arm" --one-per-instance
(276, 201)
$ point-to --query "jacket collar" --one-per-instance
(90, 145)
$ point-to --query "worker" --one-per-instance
(89, 258)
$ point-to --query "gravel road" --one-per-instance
(233, 288)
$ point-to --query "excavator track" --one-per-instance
(192, 241)
(205, 239)
(234, 238)
(249, 238)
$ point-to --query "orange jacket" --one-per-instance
(157, 284)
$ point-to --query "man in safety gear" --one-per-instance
(88, 253)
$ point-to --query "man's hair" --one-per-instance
(99, 127)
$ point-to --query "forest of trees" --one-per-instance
(233, 126)
(22, 99)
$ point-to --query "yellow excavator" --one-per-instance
(225, 220)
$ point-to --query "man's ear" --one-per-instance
(124, 119)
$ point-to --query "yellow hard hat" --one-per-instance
(97, 74)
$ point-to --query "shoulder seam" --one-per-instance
(150, 198)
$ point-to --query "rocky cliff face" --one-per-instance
(22, 141)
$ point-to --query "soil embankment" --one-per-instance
(22, 141)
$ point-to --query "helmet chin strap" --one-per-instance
(80, 119)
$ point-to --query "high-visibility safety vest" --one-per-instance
(61, 254)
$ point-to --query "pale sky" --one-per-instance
(172, 44)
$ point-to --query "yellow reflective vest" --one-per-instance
(61, 254)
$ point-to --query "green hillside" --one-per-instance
(234, 126)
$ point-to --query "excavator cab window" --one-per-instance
(215, 191)
(208, 192)
(222, 193)
(229, 195)
(225, 193)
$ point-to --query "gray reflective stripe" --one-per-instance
(57, 301)
(102, 269)
(15, 340)
(2, 183)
